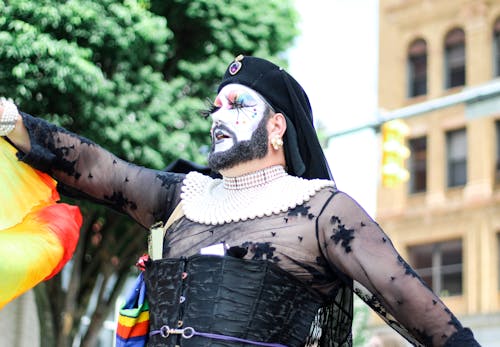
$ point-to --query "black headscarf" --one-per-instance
(304, 157)
(303, 154)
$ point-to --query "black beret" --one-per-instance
(303, 153)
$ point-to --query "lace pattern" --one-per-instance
(326, 241)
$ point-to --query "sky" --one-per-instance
(335, 59)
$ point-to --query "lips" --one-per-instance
(219, 134)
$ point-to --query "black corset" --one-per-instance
(248, 299)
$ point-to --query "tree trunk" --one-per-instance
(129, 244)
(45, 316)
(67, 320)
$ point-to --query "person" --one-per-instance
(294, 247)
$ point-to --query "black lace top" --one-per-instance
(329, 243)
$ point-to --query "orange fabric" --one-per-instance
(37, 235)
(139, 329)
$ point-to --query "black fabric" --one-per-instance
(332, 325)
(184, 166)
(304, 156)
(462, 338)
(85, 170)
(43, 153)
(326, 243)
(249, 299)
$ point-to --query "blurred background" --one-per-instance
(406, 99)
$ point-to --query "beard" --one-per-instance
(242, 151)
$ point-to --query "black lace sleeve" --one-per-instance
(357, 248)
(89, 171)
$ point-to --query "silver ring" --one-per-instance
(165, 331)
(188, 332)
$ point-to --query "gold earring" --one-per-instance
(276, 142)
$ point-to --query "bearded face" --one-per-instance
(239, 132)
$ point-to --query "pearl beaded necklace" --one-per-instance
(254, 179)
(208, 201)
(8, 118)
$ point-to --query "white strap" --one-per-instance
(157, 233)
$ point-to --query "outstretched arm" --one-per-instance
(90, 171)
(356, 247)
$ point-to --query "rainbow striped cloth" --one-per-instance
(133, 318)
(37, 235)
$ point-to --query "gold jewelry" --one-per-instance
(235, 65)
(276, 142)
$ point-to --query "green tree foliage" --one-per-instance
(207, 35)
(132, 75)
(360, 322)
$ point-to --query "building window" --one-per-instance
(496, 48)
(455, 58)
(497, 168)
(456, 149)
(498, 259)
(417, 68)
(418, 164)
(439, 265)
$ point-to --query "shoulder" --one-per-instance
(324, 193)
(168, 178)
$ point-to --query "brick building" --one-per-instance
(439, 70)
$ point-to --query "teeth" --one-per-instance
(220, 135)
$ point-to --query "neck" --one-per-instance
(241, 170)
(254, 179)
(253, 166)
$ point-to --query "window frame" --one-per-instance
(497, 152)
(454, 164)
(439, 272)
(498, 260)
(455, 58)
(496, 48)
(417, 165)
(417, 68)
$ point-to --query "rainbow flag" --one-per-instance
(37, 235)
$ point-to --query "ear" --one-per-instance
(276, 125)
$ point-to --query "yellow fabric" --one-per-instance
(22, 188)
(37, 235)
(130, 321)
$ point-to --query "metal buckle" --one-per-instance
(187, 333)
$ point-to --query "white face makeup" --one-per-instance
(239, 110)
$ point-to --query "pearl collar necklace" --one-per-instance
(254, 179)
(263, 193)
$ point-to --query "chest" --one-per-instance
(291, 231)
(287, 239)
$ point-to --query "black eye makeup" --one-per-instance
(211, 108)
